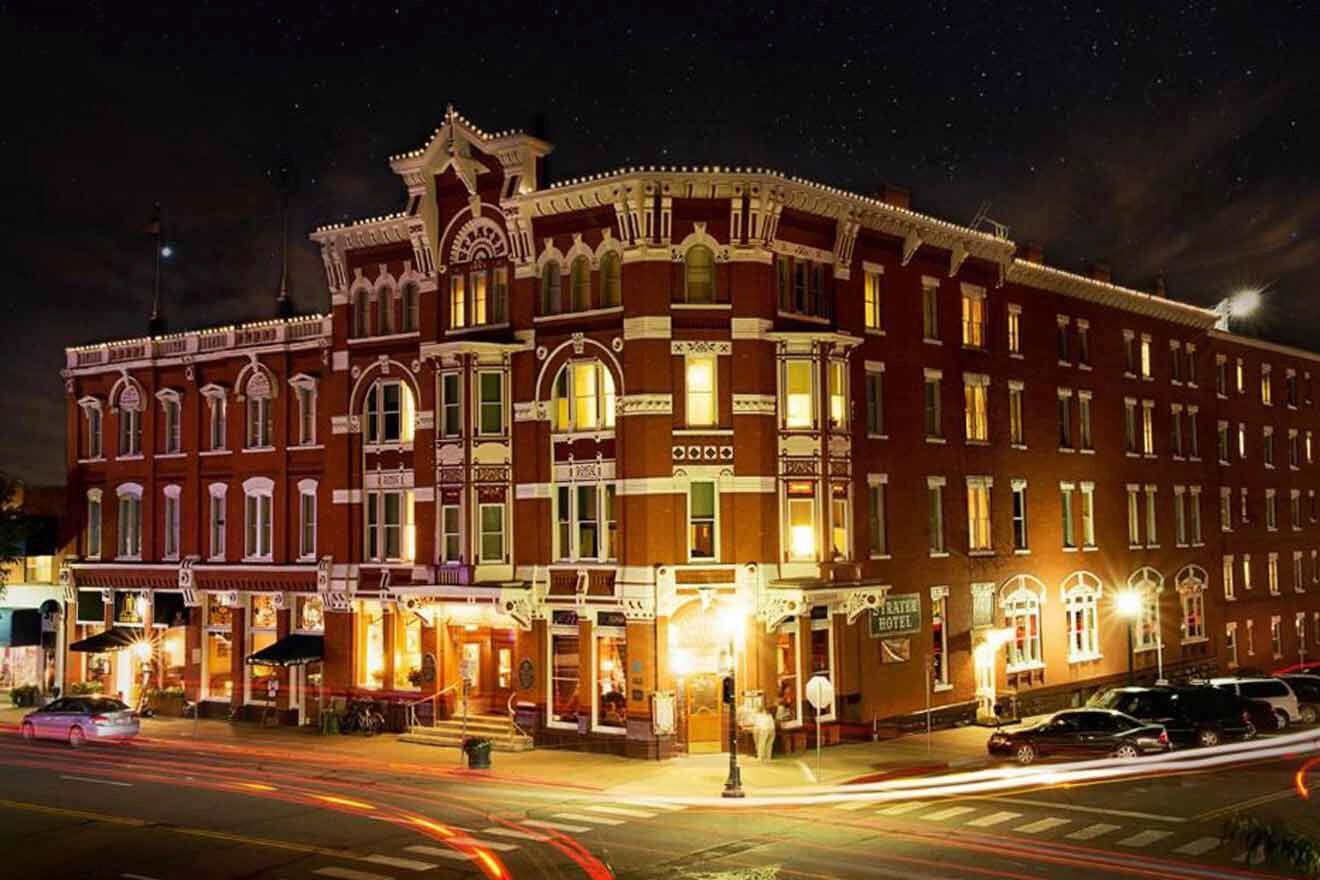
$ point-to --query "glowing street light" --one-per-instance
(1129, 603)
(1238, 304)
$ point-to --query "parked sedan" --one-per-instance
(79, 719)
(1203, 716)
(1080, 733)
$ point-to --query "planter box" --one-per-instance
(166, 704)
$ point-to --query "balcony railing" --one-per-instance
(192, 342)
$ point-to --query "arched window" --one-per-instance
(699, 281)
(260, 413)
(611, 280)
(583, 397)
(1020, 599)
(359, 306)
(580, 279)
(384, 311)
(1147, 583)
(551, 293)
(1081, 603)
(388, 413)
(130, 420)
(411, 310)
(130, 520)
(1191, 582)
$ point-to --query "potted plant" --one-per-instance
(25, 695)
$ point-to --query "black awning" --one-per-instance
(19, 627)
(116, 638)
(91, 607)
(294, 650)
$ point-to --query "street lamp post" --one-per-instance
(1129, 606)
(733, 784)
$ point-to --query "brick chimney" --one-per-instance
(1160, 289)
(1101, 272)
(898, 196)
(1031, 252)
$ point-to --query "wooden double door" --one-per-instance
(486, 657)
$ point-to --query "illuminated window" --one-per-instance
(1021, 606)
(565, 669)
(370, 625)
(1088, 514)
(787, 669)
(477, 283)
(457, 301)
(1014, 329)
(1147, 585)
(702, 520)
(801, 500)
(1228, 577)
(388, 412)
(1272, 573)
(976, 419)
(978, 514)
(699, 275)
(1069, 515)
(1145, 357)
(1266, 386)
(579, 280)
(1148, 427)
(872, 305)
(1151, 537)
(973, 317)
(1134, 515)
(217, 658)
(939, 641)
(611, 662)
(700, 388)
(407, 650)
(611, 280)
(799, 394)
(583, 397)
(1191, 595)
(1081, 599)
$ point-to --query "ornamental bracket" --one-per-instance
(911, 242)
(779, 605)
(867, 599)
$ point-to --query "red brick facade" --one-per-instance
(571, 433)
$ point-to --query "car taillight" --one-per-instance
(1164, 737)
(100, 719)
(1246, 717)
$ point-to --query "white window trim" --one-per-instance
(307, 488)
(303, 382)
(221, 491)
(256, 488)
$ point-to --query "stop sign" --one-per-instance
(820, 693)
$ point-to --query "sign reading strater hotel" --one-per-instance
(900, 615)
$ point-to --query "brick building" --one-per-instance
(580, 439)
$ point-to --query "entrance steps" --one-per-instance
(449, 733)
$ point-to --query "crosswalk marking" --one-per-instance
(1091, 832)
(395, 862)
(622, 811)
(948, 813)
(852, 805)
(993, 819)
(556, 826)
(1144, 838)
(900, 809)
(1041, 825)
(592, 820)
(659, 805)
(350, 874)
(1198, 847)
(492, 845)
(515, 834)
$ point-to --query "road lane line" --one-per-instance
(900, 809)
(350, 874)
(97, 781)
(555, 826)
(396, 862)
(1199, 847)
(1144, 838)
(1102, 811)
(994, 819)
(499, 831)
(1041, 825)
(1219, 812)
(622, 811)
(850, 806)
(591, 820)
(136, 877)
(1091, 832)
(947, 813)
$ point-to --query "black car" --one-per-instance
(1080, 733)
(1193, 716)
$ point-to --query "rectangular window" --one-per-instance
(173, 426)
(1130, 356)
(1148, 427)
(171, 506)
(1066, 497)
(565, 672)
(457, 302)
(939, 648)
(1268, 447)
(216, 405)
(217, 526)
(389, 413)
(875, 403)
(935, 499)
(450, 534)
(840, 517)
(130, 526)
(1228, 577)
(1130, 426)
(1193, 609)
(611, 662)
(978, 514)
(700, 389)
(1179, 517)
(611, 523)
(1014, 329)
(1192, 433)
(1290, 388)
(1081, 611)
(1294, 450)
(1088, 515)
(879, 527)
(451, 421)
(260, 422)
(587, 515)
(564, 522)
(1152, 538)
(1276, 637)
(93, 550)
(975, 407)
(1295, 509)
(1225, 509)
(1266, 387)
(701, 520)
(973, 318)
(1241, 377)
(799, 394)
(1191, 365)
(257, 531)
(1221, 376)
(480, 304)
(130, 432)
(1223, 440)
(1145, 357)
(490, 386)
(1271, 510)
(1175, 363)
(1016, 433)
(1298, 572)
(1194, 511)
(491, 517)
(1062, 339)
(390, 530)
(307, 525)
(934, 417)
(1083, 344)
(801, 498)
(1134, 515)
(872, 309)
(1246, 571)
(306, 415)
(1065, 418)
(930, 314)
(94, 432)
(1084, 421)
(838, 373)
(1020, 516)
(1175, 431)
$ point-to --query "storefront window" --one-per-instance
(611, 679)
(408, 651)
(822, 650)
(218, 651)
(371, 639)
(263, 612)
(786, 672)
(129, 608)
(564, 675)
(173, 656)
(98, 665)
(261, 635)
(310, 615)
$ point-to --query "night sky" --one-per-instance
(1160, 137)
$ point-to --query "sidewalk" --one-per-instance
(956, 748)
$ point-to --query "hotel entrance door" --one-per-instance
(703, 713)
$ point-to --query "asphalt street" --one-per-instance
(163, 812)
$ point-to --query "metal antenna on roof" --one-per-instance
(155, 324)
(997, 229)
(285, 177)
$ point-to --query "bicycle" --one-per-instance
(361, 717)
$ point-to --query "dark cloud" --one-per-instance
(1175, 138)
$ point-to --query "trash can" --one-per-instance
(477, 750)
